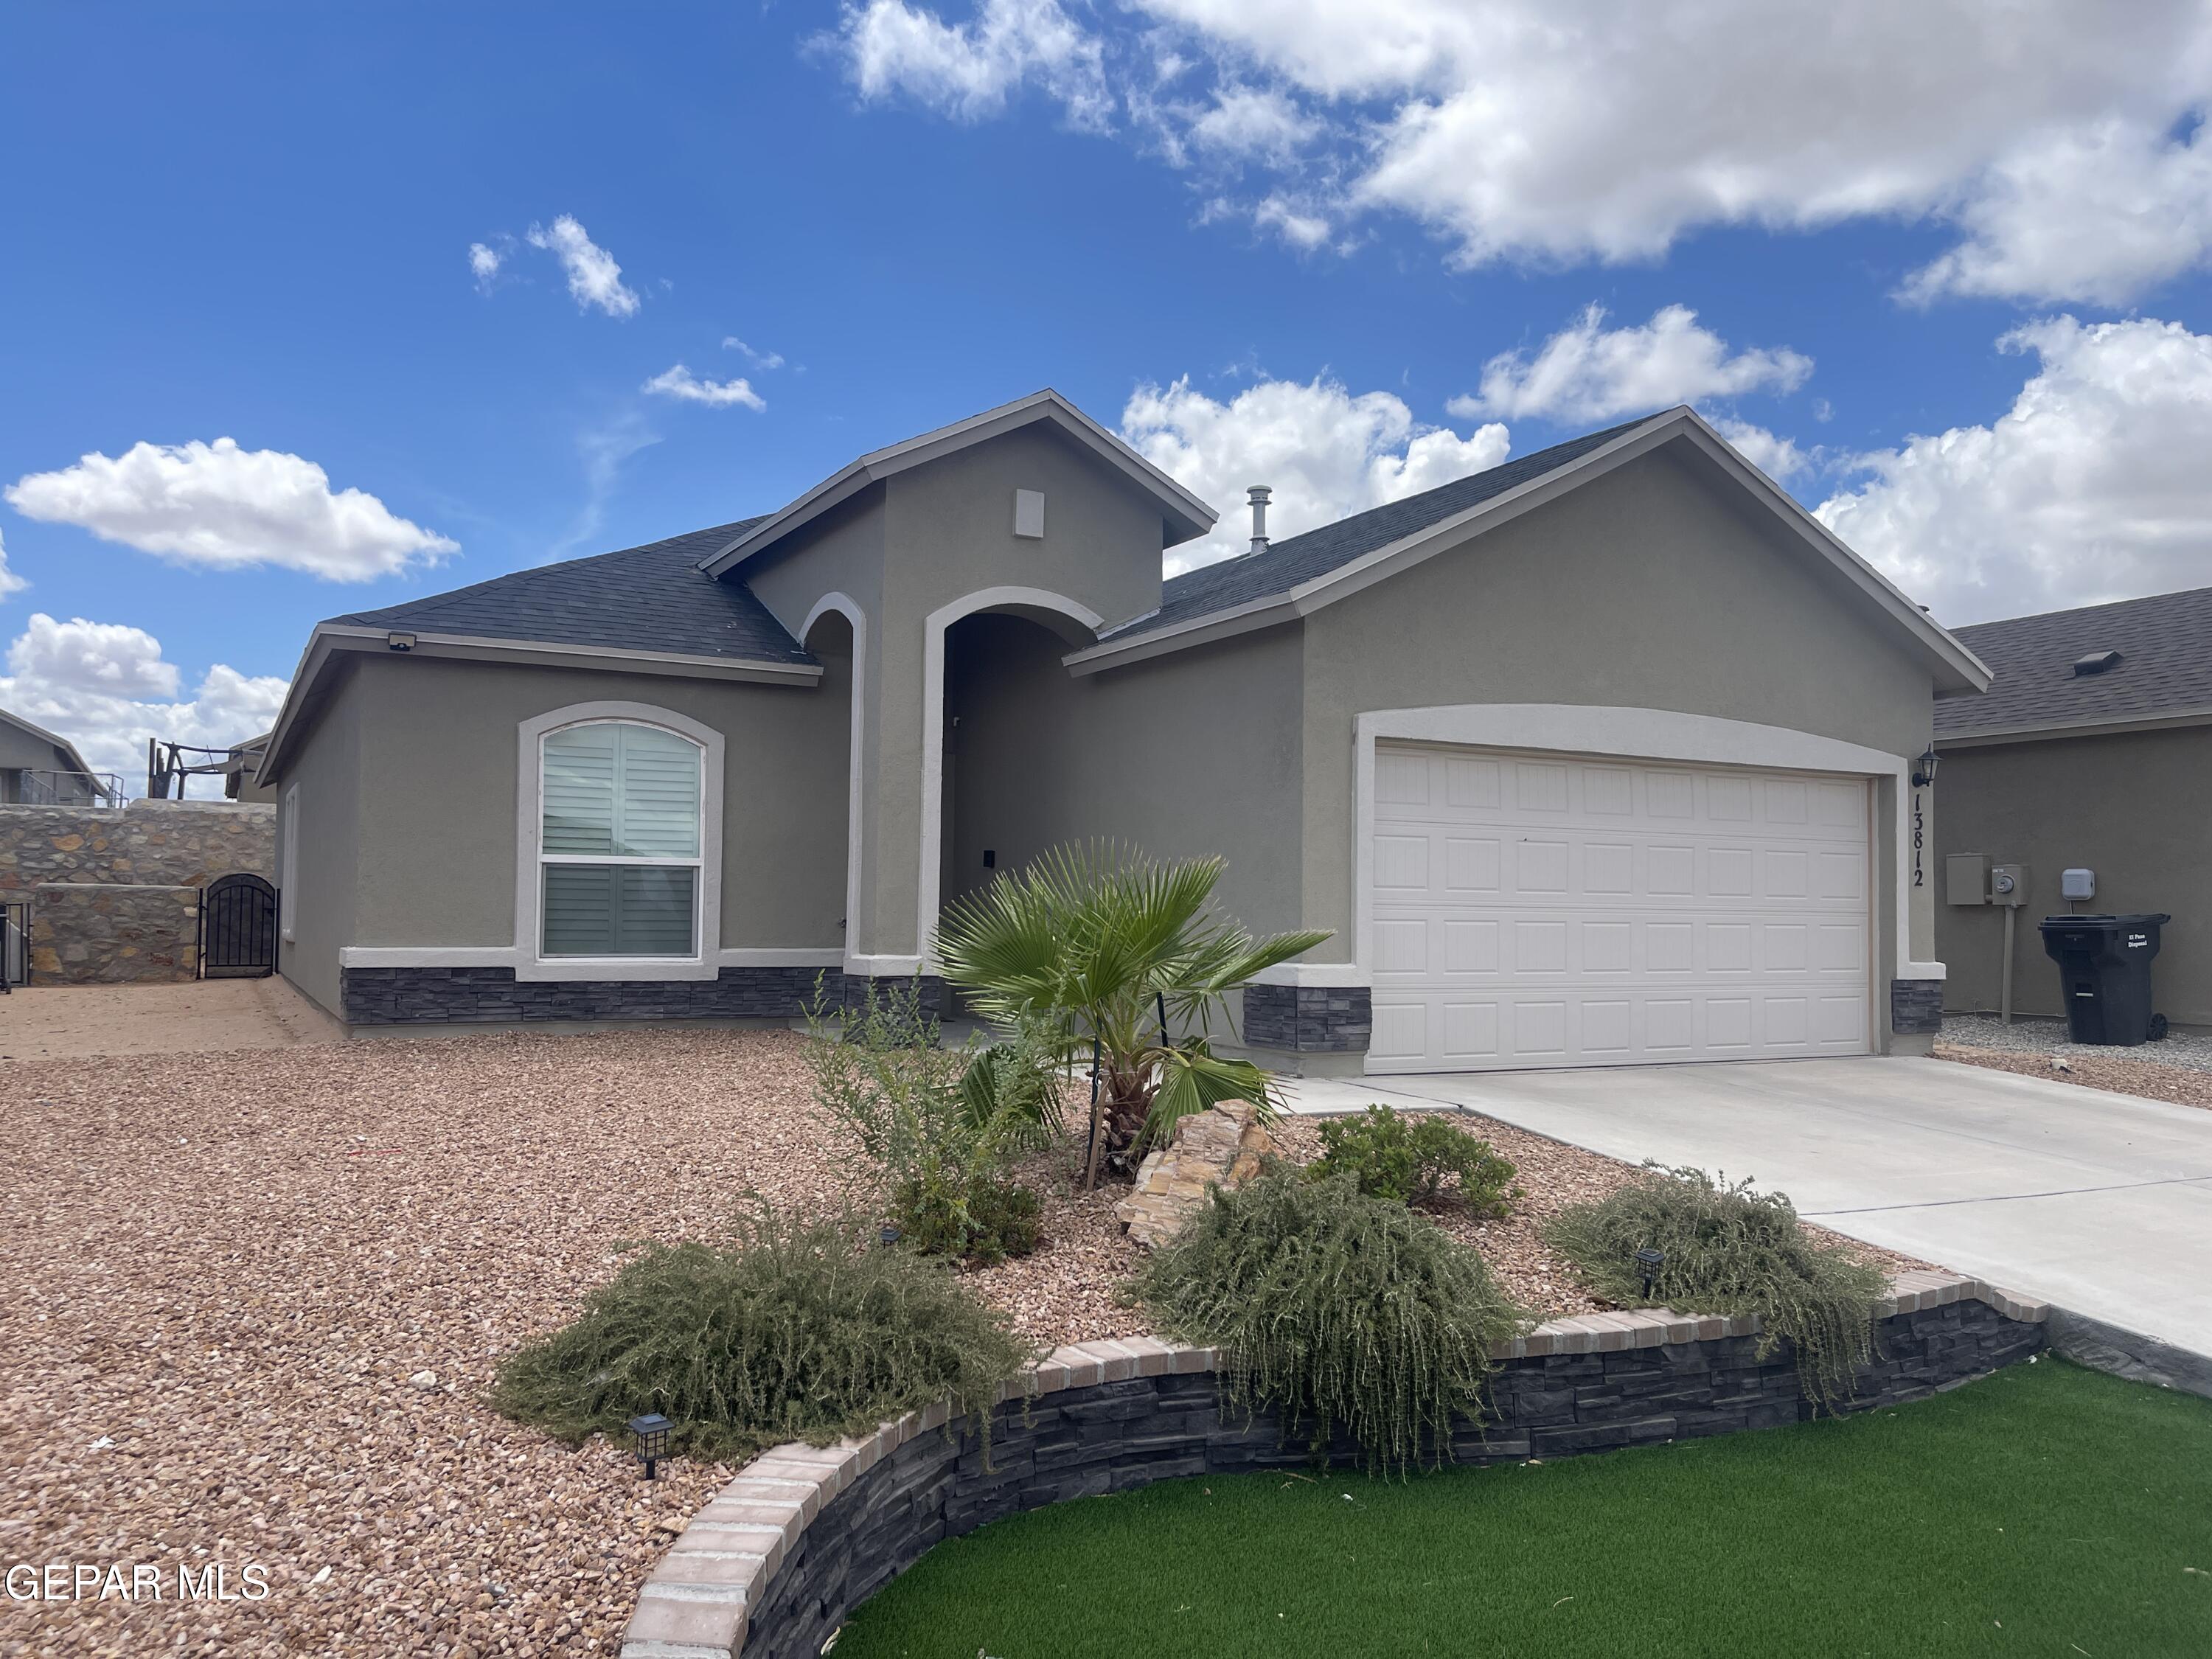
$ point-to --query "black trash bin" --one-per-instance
(2104, 974)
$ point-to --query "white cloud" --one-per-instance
(106, 688)
(484, 262)
(594, 278)
(9, 581)
(2101, 213)
(1588, 372)
(967, 70)
(765, 361)
(1528, 132)
(1249, 123)
(2093, 487)
(1325, 452)
(1774, 455)
(1303, 231)
(681, 382)
(226, 507)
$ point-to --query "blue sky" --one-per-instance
(1282, 244)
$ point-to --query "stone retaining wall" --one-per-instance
(148, 843)
(84, 933)
(114, 894)
(778, 1559)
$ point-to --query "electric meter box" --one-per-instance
(1966, 878)
(2077, 884)
(2008, 884)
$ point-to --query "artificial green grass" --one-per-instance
(2044, 1510)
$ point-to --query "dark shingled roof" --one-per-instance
(653, 597)
(1298, 559)
(2164, 644)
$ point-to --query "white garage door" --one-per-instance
(1535, 910)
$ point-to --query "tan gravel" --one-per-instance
(2180, 1085)
(226, 1269)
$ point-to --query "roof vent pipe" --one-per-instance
(1258, 495)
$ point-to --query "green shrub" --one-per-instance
(984, 1224)
(797, 1331)
(941, 1125)
(1730, 1251)
(1335, 1310)
(1410, 1160)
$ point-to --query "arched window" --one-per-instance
(620, 842)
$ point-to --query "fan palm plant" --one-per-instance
(1118, 951)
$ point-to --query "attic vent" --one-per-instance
(2096, 662)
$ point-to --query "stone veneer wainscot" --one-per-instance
(780, 1557)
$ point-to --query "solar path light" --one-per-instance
(652, 1432)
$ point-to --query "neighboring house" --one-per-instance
(238, 779)
(2093, 751)
(38, 768)
(1599, 757)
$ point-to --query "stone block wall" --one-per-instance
(151, 843)
(114, 894)
(778, 1558)
(89, 934)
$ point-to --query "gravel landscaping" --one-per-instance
(2178, 1069)
(234, 1270)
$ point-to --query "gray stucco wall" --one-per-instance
(922, 540)
(1185, 756)
(440, 761)
(2137, 809)
(1655, 587)
(322, 901)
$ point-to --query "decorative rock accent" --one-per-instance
(1221, 1146)
(85, 933)
(1916, 1007)
(778, 1559)
(1309, 1019)
(405, 996)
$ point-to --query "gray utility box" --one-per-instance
(1966, 878)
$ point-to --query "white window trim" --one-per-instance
(288, 875)
(529, 964)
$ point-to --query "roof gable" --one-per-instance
(2164, 671)
(1305, 573)
(1182, 514)
(1297, 559)
(65, 750)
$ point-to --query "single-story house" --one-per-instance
(38, 768)
(1602, 755)
(2092, 751)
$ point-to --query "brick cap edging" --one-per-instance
(697, 1603)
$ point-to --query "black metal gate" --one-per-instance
(238, 927)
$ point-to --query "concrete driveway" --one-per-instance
(2100, 1204)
